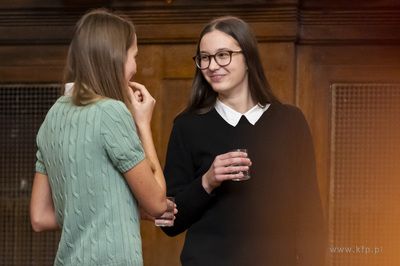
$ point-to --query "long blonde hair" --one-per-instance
(97, 56)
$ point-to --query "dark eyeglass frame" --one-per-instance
(197, 58)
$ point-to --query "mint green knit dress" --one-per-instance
(84, 151)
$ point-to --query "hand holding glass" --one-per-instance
(167, 219)
(246, 174)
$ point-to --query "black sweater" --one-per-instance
(274, 218)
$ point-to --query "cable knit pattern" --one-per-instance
(84, 151)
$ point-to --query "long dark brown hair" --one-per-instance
(97, 56)
(203, 97)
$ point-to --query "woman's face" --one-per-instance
(130, 64)
(227, 80)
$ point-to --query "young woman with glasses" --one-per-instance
(273, 218)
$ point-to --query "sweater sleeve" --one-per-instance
(40, 167)
(119, 135)
(311, 234)
(191, 198)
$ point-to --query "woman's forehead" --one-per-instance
(217, 40)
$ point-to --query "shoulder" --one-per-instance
(192, 124)
(110, 104)
(285, 108)
(113, 108)
(287, 111)
(107, 105)
(286, 115)
(57, 109)
(185, 117)
(62, 100)
(192, 118)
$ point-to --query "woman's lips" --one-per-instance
(217, 78)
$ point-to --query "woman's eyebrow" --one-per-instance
(219, 50)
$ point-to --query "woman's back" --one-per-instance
(84, 151)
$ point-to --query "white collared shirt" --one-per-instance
(232, 117)
(68, 89)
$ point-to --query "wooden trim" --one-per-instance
(350, 27)
(181, 23)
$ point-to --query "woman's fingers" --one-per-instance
(230, 165)
(141, 92)
(232, 158)
(226, 166)
(142, 104)
(138, 96)
(232, 173)
(137, 86)
(233, 154)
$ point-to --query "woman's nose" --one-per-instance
(213, 64)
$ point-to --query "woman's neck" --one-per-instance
(240, 103)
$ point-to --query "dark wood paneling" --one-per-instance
(319, 67)
(155, 24)
(350, 26)
(35, 64)
(51, 22)
(278, 62)
(348, 5)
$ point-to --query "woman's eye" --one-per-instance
(204, 57)
(223, 54)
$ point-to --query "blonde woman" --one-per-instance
(96, 163)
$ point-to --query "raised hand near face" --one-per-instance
(142, 103)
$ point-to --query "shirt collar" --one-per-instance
(232, 117)
(68, 89)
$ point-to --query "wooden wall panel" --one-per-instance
(178, 62)
(277, 59)
(318, 68)
(149, 73)
(37, 63)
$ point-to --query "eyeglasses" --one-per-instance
(222, 58)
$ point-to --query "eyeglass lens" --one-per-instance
(221, 58)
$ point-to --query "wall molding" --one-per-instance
(349, 27)
(182, 24)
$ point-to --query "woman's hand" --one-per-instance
(142, 104)
(171, 206)
(223, 168)
(145, 216)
